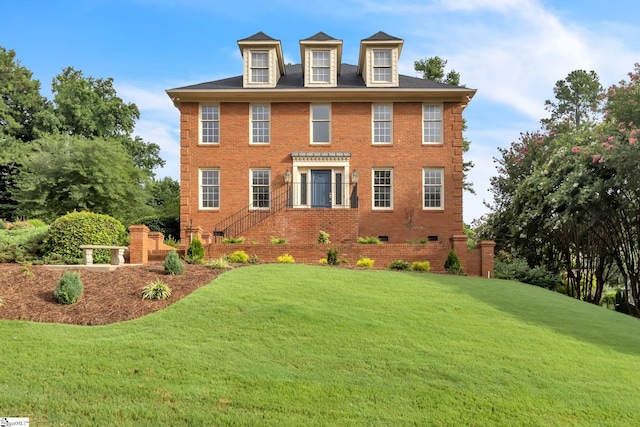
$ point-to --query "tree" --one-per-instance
(20, 98)
(577, 99)
(165, 196)
(433, 69)
(67, 173)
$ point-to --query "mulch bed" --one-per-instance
(109, 297)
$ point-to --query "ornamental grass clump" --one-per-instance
(172, 264)
(238, 257)
(219, 264)
(156, 290)
(69, 288)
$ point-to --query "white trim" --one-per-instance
(431, 120)
(374, 121)
(251, 171)
(373, 186)
(433, 208)
(201, 121)
(200, 186)
(251, 139)
(311, 119)
(335, 164)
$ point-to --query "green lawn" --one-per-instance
(304, 345)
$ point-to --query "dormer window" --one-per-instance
(259, 67)
(320, 66)
(382, 65)
(321, 55)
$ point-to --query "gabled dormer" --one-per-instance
(321, 56)
(378, 61)
(263, 61)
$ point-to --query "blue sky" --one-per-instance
(511, 51)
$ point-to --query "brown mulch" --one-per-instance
(109, 297)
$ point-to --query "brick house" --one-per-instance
(355, 150)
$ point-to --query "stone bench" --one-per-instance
(117, 253)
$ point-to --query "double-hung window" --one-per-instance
(432, 123)
(382, 123)
(432, 188)
(382, 65)
(260, 124)
(320, 124)
(259, 67)
(260, 188)
(209, 124)
(209, 188)
(320, 66)
(382, 189)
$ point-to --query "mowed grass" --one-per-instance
(305, 345)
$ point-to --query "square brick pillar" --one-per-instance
(459, 244)
(138, 244)
(487, 249)
(155, 238)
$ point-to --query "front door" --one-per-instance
(321, 188)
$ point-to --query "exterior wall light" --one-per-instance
(287, 176)
(354, 177)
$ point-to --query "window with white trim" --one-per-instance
(432, 123)
(382, 65)
(432, 188)
(209, 189)
(259, 67)
(382, 123)
(320, 66)
(382, 189)
(209, 124)
(260, 124)
(260, 188)
(320, 124)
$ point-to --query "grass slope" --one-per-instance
(306, 345)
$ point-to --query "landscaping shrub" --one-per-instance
(286, 259)
(219, 264)
(421, 266)
(332, 256)
(168, 225)
(452, 264)
(253, 259)
(156, 290)
(365, 262)
(231, 240)
(370, 240)
(238, 257)
(278, 240)
(398, 265)
(172, 264)
(68, 232)
(3, 224)
(69, 288)
(37, 223)
(170, 241)
(518, 269)
(25, 245)
(323, 237)
(323, 261)
(195, 252)
(20, 225)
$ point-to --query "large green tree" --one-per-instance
(577, 99)
(433, 68)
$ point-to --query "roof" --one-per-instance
(258, 37)
(293, 79)
(320, 37)
(381, 36)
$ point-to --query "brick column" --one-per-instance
(459, 244)
(155, 238)
(192, 233)
(487, 258)
(138, 244)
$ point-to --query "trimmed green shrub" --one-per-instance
(166, 224)
(219, 264)
(172, 264)
(286, 259)
(278, 240)
(195, 252)
(231, 240)
(68, 232)
(421, 266)
(365, 262)
(332, 256)
(518, 269)
(369, 240)
(452, 264)
(238, 257)
(24, 245)
(398, 265)
(69, 288)
(323, 237)
(156, 290)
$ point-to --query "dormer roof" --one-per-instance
(321, 39)
(262, 40)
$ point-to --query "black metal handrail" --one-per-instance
(249, 216)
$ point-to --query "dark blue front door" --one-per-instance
(321, 189)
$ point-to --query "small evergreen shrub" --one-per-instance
(398, 265)
(278, 240)
(231, 240)
(195, 252)
(332, 256)
(323, 237)
(365, 262)
(24, 245)
(421, 266)
(219, 264)
(156, 290)
(238, 257)
(452, 264)
(369, 240)
(286, 259)
(69, 288)
(172, 264)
